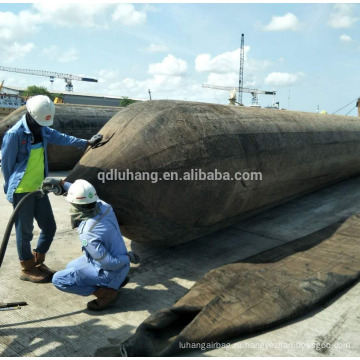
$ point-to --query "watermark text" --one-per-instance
(191, 175)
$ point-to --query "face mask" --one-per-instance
(34, 127)
(80, 213)
(74, 223)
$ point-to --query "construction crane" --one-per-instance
(253, 92)
(241, 71)
(52, 75)
(240, 89)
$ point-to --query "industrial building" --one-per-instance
(77, 98)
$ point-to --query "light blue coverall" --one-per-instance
(104, 262)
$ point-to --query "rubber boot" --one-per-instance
(29, 272)
(39, 262)
(105, 297)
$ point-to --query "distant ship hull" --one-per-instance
(9, 103)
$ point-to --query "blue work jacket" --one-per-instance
(16, 147)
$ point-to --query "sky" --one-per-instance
(308, 53)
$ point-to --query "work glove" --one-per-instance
(52, 184)
(49, 181)
(134, 258)
(95, 139)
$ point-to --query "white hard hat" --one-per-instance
(41, 109)
(81, 192)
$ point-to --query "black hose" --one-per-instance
(12, 220)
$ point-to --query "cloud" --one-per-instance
(14, 28)
(165, 87)
(162, 86)
(55, 53)
(89, 15)
(127, 15)
(229, 62)
(69, 55)
(221, 64)
(106, 75)
(15, 51)
(342, 16)
(150, 8)
(223, 69)
(283, 23)
(345, 38)
(167, 80)
(51, 51)
(155, 48)
(23, 48)
(170, 66)
(282, 79)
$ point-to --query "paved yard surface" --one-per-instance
(58, 324)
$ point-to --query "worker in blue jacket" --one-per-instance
(24, 166)
(105, 263)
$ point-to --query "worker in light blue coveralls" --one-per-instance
(24, 166)
(105, 263)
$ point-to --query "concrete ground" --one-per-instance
(57, 324)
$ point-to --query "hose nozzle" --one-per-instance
(56, 189)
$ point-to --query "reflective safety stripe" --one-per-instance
(100, 218)
(81, 226)
(100, 258)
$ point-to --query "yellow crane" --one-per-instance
(59, 100)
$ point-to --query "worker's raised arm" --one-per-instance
(58, 138)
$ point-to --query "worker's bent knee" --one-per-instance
(63, 280)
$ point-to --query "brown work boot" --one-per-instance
(39, 263)
(104, 298)
(29, 272)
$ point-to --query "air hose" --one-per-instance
(11, 221)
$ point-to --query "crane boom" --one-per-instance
(253, 92)
(52, 75)
(241, 71)
(247, 90)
